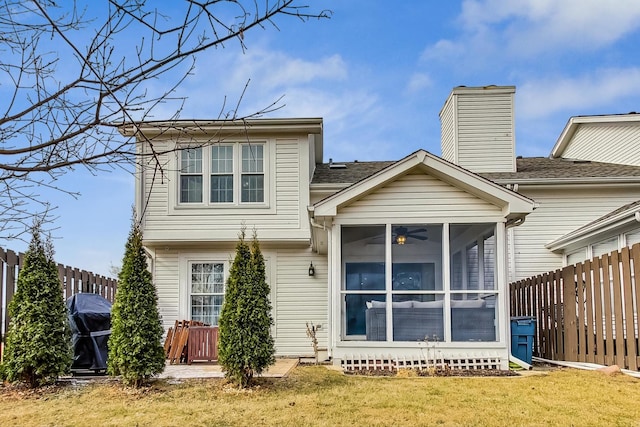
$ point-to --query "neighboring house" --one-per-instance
(389, 259)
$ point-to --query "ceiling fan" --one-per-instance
(401, 234)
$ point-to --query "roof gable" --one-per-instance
(606, 138)
(513, 205)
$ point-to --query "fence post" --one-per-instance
(3, 258)
(569, 304)
(580, 306)
(589, 305)
(13, 260)
(617, 308)
(630, 341)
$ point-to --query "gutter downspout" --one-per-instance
(511, 240)
(520, 362)
(512, 271)
(314, 224)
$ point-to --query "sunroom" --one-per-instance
(417, 259)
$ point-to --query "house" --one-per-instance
(408, 258)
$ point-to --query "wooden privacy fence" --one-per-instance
(73, 281)
(585, 312)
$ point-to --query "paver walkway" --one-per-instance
(209, 370)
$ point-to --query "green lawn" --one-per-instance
(318, 396)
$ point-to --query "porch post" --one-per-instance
(502, 289)
(446, 281)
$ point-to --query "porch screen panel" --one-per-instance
(416, 282)
(473, 292)
(363, 285)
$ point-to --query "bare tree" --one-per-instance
(71, 72)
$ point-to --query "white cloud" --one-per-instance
(526, 28)
(417, 83)
(221, 77)
(605, 88)
(530, 26)
(443, 49)
(325, 87)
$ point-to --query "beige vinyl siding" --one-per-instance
(296, 297)
(285, 214)
(606, 142)
(485, 132)
(153, 201)
(165, 278)
(300, 299)
(287, 194)
(420, 197)
(560, 212)
(447, 130)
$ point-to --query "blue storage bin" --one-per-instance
(523, 328)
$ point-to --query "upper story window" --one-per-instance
(235, 174)
(252, 173)
(222, 174)
(191, 175)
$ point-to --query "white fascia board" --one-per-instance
(572, 126)
(564, 138)
(510, 201)
(621, 219)
(328, 187)
(222, 127)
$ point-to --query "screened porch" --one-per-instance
(419, 282)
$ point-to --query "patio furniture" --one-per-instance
(470, 321)
(202, 344)
(189, 341)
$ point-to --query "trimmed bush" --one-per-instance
(246, 347)
(135, 349)
(38, 342)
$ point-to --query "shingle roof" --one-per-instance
(527, 168)
(353, 172)
(546, 168)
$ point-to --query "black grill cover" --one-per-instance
(90, 321)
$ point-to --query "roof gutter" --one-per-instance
(568, 181)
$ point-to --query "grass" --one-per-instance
(315, 396)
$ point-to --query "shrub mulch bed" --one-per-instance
(434, 372)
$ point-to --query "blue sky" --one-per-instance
(378, 72)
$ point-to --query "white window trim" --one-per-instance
(225, 276)
(237, 207)
(184, 271)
